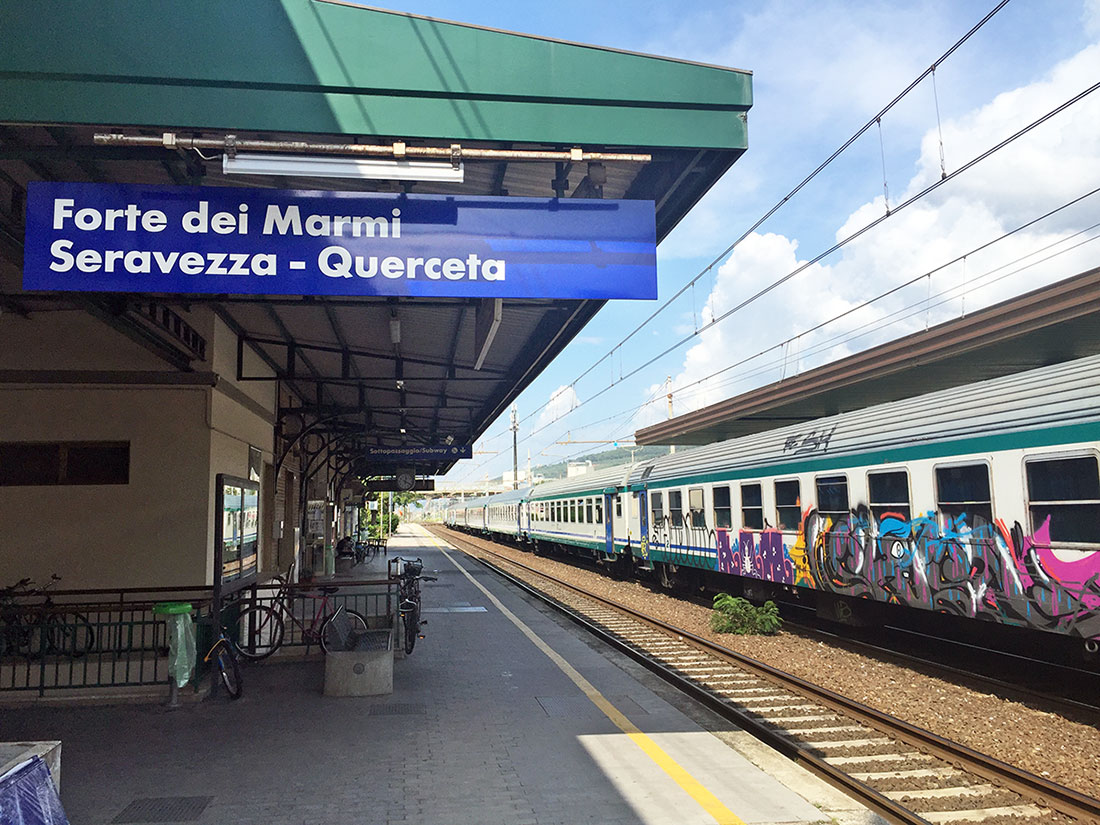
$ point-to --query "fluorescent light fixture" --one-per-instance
(314, 166)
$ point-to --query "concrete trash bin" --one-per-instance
(366, 670)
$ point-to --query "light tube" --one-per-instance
(313, 166)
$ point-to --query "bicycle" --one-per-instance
(261, 627)
(40, 629)
(229, 670)
(368, 550)
(409, 596)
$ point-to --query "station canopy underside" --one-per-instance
(324, 72)
(1053, 324)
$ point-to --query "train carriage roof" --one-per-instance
(587, 484)
(507, 497)
(985, 415)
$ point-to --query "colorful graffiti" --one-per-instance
(981, 570)
(758, 555)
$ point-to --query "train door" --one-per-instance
(643, 523)
(609, 523)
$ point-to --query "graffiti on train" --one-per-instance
(980, 570)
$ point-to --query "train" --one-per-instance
(980, 501)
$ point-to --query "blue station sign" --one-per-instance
(88, 237)
(398, 455)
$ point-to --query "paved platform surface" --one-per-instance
(503, 714)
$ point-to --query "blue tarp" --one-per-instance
(29, 797)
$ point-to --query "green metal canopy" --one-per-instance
(321, 71)
(328, 67)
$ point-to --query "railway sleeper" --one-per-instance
(825, 744)
(871, 759)
(830, 729)
(979, 814)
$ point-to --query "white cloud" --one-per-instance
(562, 401)
(1057, 162)
(1091, 17)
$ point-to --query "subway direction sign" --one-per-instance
(442, 452)
(88, 237)
(390, 485)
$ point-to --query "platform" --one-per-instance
(503, 714)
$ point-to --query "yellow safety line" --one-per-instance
(692, 786)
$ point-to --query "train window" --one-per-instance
(675, 508)
(695, 506)
(588, 511)
(599, 511)
(788, 508)
(572, 511)
(888, 494)
(618, 507)
(722, 507)
(657, 505)
(752, 507)
(832, 497)
(964, 491)
(1066, 491)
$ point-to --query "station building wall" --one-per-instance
(158, 528)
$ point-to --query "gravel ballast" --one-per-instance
(1045, 743)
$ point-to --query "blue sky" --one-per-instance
(821, 69)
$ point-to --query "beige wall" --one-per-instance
(158, 530)
(242, 414)
(146, 533)
(68, 340)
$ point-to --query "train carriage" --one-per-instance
(589, 513)
(981, 501)
(505, 513)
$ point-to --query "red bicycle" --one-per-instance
(261, 627)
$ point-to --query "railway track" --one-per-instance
(902, 772)
(1074, 681)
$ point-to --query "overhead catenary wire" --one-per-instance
(806, 180)
(918, 307)
(874, 119)
(845, 241)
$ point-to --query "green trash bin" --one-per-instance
(181, 645)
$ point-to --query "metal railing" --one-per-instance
(111, 637)
(304, 607)
(89, 638)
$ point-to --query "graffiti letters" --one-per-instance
(812, 442)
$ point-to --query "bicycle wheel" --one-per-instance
(229, 671)
(330, 637)
(259, 631)
(412, 628)
(70, 634)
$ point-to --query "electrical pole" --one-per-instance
(668, 388)
(515, 450)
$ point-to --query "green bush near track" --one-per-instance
(732, 614)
